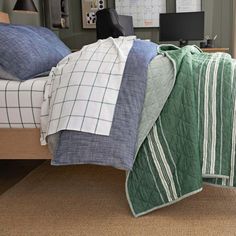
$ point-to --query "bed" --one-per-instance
(20, 101)
(20, 109)
(165, 115)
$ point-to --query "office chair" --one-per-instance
(110, 24)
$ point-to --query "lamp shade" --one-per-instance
(25, 5)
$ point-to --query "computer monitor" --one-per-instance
(182, 27)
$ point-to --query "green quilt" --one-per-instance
(193, 139)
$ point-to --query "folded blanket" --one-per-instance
(102, 128)
(193, 140)
(85, 86)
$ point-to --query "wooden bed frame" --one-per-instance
(4, 17)
(22, 144)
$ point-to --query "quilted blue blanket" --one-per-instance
(118, 149)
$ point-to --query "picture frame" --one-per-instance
(89, 9)
(145, 13)
(188, 6)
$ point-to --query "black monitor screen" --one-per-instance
(182, 26)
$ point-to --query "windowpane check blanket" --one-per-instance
(193, 140)
(85, 87)
(20, 103)
(96, 101)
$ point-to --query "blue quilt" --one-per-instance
(117, 149)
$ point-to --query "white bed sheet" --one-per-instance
(20, 103)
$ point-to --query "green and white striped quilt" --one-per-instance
(193, 140)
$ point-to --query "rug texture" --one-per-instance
(90, 200)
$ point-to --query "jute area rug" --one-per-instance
(90, 200)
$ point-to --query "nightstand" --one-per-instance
(211, 50)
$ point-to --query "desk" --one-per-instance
(211, 50)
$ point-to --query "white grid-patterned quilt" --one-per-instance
(85, 87)
(20, 103)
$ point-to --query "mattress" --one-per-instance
(20, 103)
